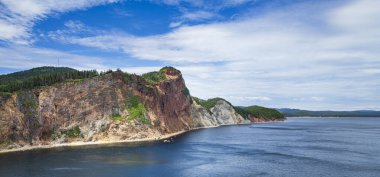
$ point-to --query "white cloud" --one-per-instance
(18, 17)
(357, 15)
(281, 55)
(198, 15)
(175, 24)
(206, 4)
(194, 16)
(316, 98)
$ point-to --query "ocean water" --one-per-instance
(299, 147)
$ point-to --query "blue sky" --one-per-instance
(309, 54)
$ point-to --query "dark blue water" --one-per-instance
(299, 147)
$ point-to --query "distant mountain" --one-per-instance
(306, 113)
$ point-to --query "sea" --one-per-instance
(298, 147)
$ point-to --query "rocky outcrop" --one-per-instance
(221, 114)
(84, 111)
(112, 107)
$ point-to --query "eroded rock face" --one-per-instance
(225, 114)
(96, 110)
(221, 114)
(83, 111)
(202, 117)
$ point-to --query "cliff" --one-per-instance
(111, 107)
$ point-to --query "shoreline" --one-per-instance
(81, 143)
(143, 140)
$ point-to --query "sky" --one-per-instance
(306, 54)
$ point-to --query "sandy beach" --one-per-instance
(80, 143)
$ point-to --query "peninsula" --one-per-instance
(57, 106)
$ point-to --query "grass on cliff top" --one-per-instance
(172, 70)
(154, 77)
(136, 110)
(159, 76)
(210, 103)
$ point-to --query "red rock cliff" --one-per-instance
(95, 109)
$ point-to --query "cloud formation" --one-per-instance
(17, 18)
(17, 56)
(307, 55)
(281, 55)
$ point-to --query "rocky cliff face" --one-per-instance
(221, 114)
(116, 106)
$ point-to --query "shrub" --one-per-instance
(154, 77)
(117, 117)
(5, 94)
(136, 110)
(171, 69)
(186, 91)
(72, 133)
(73, 80)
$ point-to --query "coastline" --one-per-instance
(143, 140)
(81, 143)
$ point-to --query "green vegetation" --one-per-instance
(55, 136)
(117, 117)
(136, 110)
(172, 69)
(245, 112)
(154, 77)
(42, 76)
(208, 104)
(186, 91)
(73, 80)
(258, 112)
(159, 76)
(29, 103)
(72, 133)
(5, 94)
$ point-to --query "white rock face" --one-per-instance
(202, 117)
(221, 114)
(225, 113)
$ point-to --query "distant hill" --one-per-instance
(305, 113)
(40, 71)
(246, 112)
(41, 76)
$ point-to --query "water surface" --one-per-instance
(300, 147)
